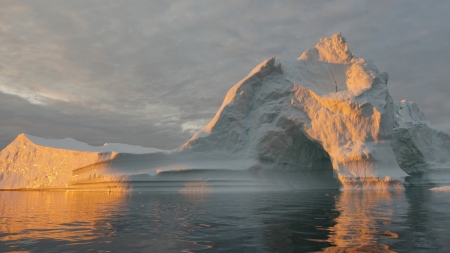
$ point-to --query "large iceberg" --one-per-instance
(327, 109)
(299, 123)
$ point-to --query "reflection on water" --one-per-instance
(198, 219)
(75, 217)
(196, 187)
(365, 220)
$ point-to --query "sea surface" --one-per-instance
(208, 220)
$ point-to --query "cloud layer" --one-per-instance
(150, 73)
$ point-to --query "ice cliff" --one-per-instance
(418, 147)
(325, 109)
(34, 162)
(291, 122)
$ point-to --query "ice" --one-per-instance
(326, 110)
(295, 123)
(34, 162)
(71, 144)
(418, 146)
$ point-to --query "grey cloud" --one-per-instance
(90, 126)
(147, 67)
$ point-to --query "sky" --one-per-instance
(151, 73)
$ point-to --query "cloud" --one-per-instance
(91, 126)
(146, 67)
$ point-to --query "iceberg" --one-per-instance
(323, 120)
(325, 110)
(418, 147)
(34, 162)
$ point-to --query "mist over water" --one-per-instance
(414, 220)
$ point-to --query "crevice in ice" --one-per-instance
(333, 77)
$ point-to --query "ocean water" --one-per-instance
(207, 220)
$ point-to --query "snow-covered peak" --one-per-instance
(74, 145)
(325, 110)
(240, 93)
(263, 68)
(332, 50)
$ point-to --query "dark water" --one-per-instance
(414, 220)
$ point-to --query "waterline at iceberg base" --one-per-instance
(323, 121)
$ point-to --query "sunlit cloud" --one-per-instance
(33, 97)
(194, 126)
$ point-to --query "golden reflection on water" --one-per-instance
(192, 219)
(59, 215)
(196, 188)
(364, 220)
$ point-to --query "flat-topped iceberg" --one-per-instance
(74, 145)
(34, 162)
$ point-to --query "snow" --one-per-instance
(418, 147)
(331, 50)
(71, 144)
(34, 162)
(295, 123)
(326, 110)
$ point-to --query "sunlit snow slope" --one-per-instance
(34, 162)
(294, 124)
(327, 108)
